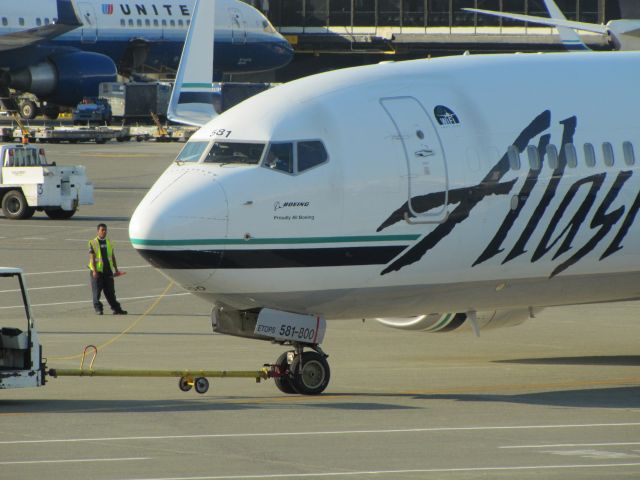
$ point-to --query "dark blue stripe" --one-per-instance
(270, 258)
(196, 97)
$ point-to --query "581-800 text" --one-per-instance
(301, 333)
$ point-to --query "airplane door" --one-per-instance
(238, 28)
(420, 148)
(89, 33)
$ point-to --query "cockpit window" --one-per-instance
(192, 151)
(228, 152)
(310, 154)
(280, 157)
(295, 157)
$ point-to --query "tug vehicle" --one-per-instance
(29, 183)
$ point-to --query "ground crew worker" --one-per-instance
(102, 263)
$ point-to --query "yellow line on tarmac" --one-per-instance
(125, 331)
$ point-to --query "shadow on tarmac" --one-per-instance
(619, 397)
(616, 360)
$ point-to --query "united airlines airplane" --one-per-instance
(61, 50)
(429, 194)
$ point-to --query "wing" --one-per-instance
(552, 22)
(67, 20)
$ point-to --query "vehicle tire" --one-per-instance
(183, 384)
(28, 109)
(59, 213)
(51, 112)
(15, 207)
(310, 373)
(284, 383)
(201, 385)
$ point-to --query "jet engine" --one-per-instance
(64, 79)
(448, 322)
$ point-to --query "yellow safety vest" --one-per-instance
(97, 251)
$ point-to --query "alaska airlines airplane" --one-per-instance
(62, 51)
(429, 194)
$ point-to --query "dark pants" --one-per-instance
(104, 283)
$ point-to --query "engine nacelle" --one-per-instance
(448, 322)
(65, 79)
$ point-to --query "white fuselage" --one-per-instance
(438, 140)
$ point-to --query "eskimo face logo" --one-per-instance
(445, 116)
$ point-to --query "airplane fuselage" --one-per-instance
(127, 36)
(458, 184)
(112, 28)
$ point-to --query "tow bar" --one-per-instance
(187, 379)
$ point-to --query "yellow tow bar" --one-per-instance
(188, 379)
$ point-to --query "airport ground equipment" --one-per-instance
(92, 111)
(187, 379)
(73, 134)
(132, 102)
(21, 363)
(162, 133)
(28, 183)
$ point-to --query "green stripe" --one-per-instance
(196, 85)
(443, 322)
(273, 241)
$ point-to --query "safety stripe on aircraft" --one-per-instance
(270, 241)
(271, 258)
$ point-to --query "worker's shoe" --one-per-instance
(120, 312)
(98, 312)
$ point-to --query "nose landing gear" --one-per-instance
(306, 373)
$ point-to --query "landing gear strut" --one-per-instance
(306, 373)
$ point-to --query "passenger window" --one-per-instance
(607, 151)
(232, 152)
(280, 157)
(589, 155)
(534, 157)
(155, 22)
(131, 22)
(38, 21)
(147, 22)
(192, 151)
(164, 23)
(571, 154)
(180, 23)
(123, 23)
(46, 21)
(139, 22)
(629, 155)
(21, 21)
(310, 154)
(172, 23)
(552, 156)
(514, 157)
(5, 21)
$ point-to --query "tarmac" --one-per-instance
(556, 398)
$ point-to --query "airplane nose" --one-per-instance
(182, 217)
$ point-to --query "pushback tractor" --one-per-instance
(28, 183)
(21, 363)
